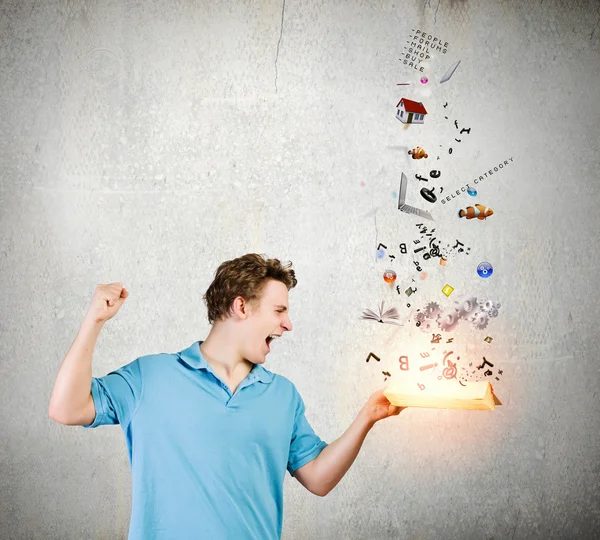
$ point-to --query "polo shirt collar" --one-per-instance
(193, 358)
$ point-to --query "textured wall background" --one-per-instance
(146, 142)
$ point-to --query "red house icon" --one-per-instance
(410, 112)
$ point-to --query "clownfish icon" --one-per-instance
(478, 211)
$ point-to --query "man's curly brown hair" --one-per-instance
(245, 276)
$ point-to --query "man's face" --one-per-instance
(268, 318)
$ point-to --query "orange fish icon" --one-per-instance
(479, 211)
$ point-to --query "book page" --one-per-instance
(435, 388)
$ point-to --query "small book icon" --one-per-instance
(389, 316)
(442, 395)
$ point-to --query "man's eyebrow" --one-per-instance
(282, 307)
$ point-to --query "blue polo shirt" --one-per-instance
(205, 464)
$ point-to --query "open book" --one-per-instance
(442, 395)
(389, 316)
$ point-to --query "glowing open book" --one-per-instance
(442, 394)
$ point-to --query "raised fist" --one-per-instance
(107, 300)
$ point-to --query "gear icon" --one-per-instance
(418, 316)
(493, 312)
(480, 320)
(432, 310)
(465, 305)
(486, 305)
(448, 319)
(425, 326)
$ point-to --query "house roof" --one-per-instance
(412, 106)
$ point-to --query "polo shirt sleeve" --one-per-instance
(305, 445)
(116, 395)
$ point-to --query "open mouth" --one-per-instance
(268, 341)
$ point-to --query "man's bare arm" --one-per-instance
(71, 402)
(324, 472)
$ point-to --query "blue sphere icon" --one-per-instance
(472, 191)
(485, 269)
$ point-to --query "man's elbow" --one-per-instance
(53, 415)
(321, 492)
(57, 418)
(308, 475)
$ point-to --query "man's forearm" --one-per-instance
(335, 459)
(74, 380)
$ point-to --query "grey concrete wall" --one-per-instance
(146, 142)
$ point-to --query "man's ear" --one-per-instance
(241, 308)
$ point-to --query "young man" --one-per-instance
(210, 431)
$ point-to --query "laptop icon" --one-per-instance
(405, 207)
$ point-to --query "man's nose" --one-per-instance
(288, 325)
